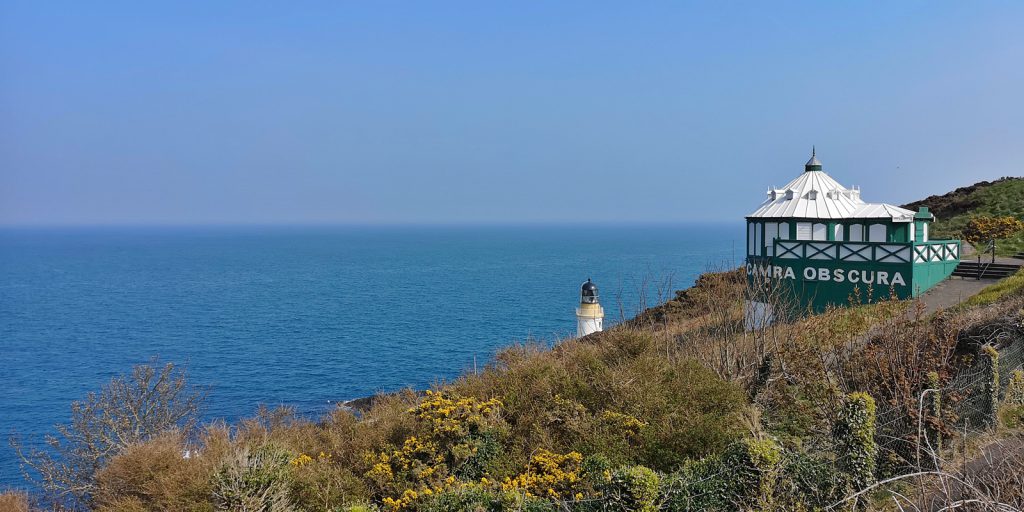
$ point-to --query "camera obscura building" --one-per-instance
(815, 243)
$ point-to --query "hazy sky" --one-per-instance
(378, 112)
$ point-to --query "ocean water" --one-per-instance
(308, 316)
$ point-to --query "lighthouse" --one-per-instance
(590, 314)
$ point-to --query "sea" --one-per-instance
(308, 317)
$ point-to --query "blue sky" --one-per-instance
(479, 112)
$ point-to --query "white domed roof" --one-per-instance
(815, 195)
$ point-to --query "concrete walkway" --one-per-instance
(951, 292)
(955, 290)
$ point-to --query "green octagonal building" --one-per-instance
(815, 243)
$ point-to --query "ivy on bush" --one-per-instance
(854, 435)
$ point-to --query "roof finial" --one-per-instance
(813, 164)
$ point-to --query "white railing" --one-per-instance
(917, 252)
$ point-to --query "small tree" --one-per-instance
(987, 229)
(129, 409)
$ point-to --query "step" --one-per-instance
(970, 273)
(985, 275)
(1008, 268)
(985, 269)
(989, 265)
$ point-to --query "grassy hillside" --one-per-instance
(953, 210)
(677, 410)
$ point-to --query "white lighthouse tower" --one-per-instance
(590, 314)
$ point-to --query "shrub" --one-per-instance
(854, 435)
(1012, 416)
(632, 488)
(129, 410)
(253, 480)
(671, 407)
(155, 476)
(989, 229)
(549, 475)
(319, 481)
(458, 439)
(698, 485)
(809, 483)
(742, 478)
(1015, 388)
(1012, 412)
(472, 499)
(360, 507)
(752, 466)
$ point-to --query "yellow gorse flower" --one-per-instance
(629, 425)
(548, 474)
(423, 461)
(301, 460)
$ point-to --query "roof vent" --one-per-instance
(812, 195)
(789, 194)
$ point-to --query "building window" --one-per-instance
(803, 230)
(924, 232)
(750, 239)
(837, 232)
(876, 233)
(856, 233)
(783, 231)
(757, 239)
(771, 232)
(820, 232)
(913, 232)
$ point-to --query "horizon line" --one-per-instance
(309, 224)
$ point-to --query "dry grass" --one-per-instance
(14, 501)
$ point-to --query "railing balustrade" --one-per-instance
(880, 252)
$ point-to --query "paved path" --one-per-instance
(951, 292)
(955, 290)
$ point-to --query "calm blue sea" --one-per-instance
(305, 316)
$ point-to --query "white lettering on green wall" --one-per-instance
(838, 275)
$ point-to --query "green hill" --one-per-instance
(953, 210)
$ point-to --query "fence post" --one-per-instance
(991, 386)
(854, 435)
(934, 427)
